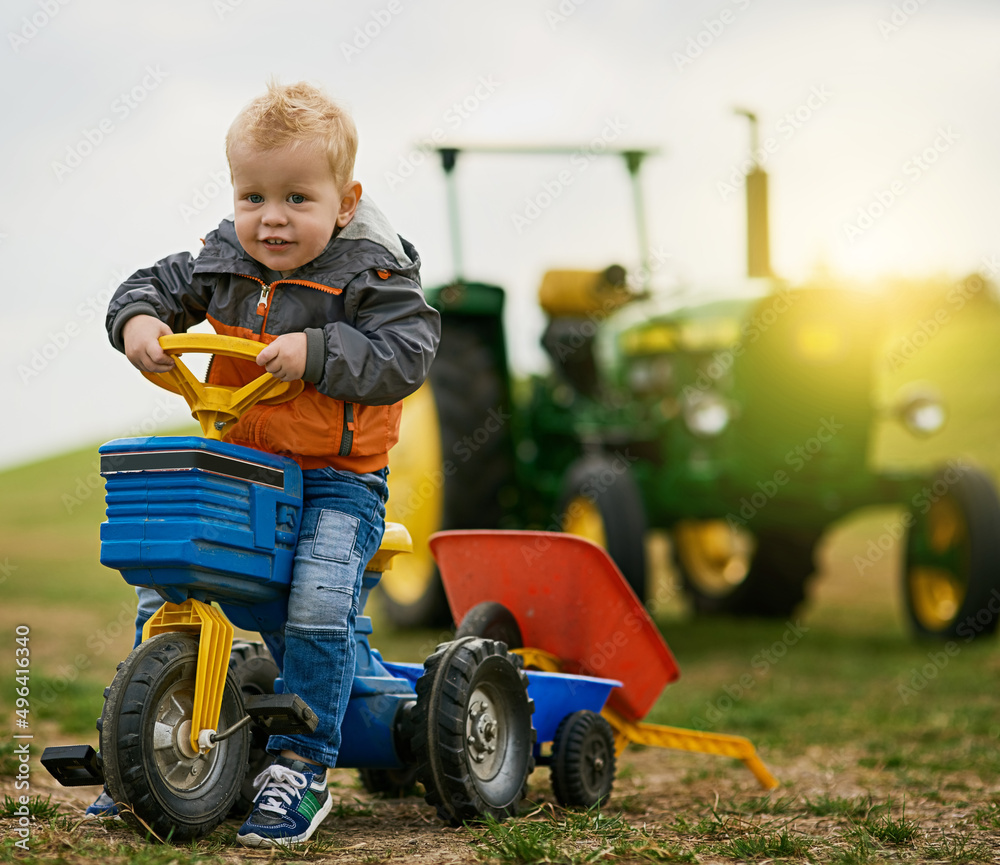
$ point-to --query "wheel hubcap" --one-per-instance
(179, 764)
(485, 733)
(936, 589)
(583, 519)
(715, 557)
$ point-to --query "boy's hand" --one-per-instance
(285, 358)
(141, 336)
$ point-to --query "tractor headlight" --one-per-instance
(650, 375)
(921, 410)
(706, 414)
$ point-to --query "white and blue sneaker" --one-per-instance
(104, 807)
(292, 800)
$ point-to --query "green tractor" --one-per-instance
(741, 425)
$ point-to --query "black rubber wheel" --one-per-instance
(727, 572)
(493, 621)
(469, 386)
(583, 760)
(473, 737)
(255, 671)
(601, 502)
(390, 783)
(149, 766)
(951, 570)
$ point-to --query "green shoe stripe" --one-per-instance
(309, 805)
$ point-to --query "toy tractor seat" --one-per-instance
(395, 540)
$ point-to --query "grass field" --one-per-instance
(887, 749)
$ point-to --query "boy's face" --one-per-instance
(288, 203)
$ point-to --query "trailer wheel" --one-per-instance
(150, 768)
(728, 571)
(601, 502)
(951, 570)
(493, 621)
(583, 760)
(391, 783)
(473, 737)
(255, 671)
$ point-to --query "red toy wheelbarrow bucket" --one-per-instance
(569, 599)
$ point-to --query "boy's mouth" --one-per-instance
(273, 241)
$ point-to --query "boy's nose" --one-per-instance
(274, 215)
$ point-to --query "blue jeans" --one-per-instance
(343, 519)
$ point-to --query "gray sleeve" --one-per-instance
(169, 290)
(385, 353)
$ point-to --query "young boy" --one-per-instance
(314, 271)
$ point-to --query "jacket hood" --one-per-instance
(367, 242)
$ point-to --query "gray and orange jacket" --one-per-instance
(370, 334)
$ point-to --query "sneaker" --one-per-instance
(104, 807)
(292, 800)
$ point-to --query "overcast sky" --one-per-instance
(881, 118)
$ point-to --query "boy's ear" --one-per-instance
(349, 200)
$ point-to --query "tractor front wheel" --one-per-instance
(951, 571)
(601, 502)
(158, 780)
(727, 571)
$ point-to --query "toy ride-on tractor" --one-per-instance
(213, 528)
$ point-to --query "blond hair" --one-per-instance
(296, 113)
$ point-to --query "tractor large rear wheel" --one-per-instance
(452, 462)
(951, 571)
(601, 502)
(728, 571)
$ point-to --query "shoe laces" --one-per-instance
(278, 784)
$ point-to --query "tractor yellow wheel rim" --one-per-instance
(715, 557)
(416, 496)
(583, 518)
(937, 590)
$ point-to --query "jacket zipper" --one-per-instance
(264, 301)
(347, 435)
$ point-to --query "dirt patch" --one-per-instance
(684, 802)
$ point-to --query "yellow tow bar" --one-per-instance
(658, 736)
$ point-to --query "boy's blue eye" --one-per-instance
(254, 198)
(295, 198)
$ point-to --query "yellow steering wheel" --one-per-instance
(218, 406)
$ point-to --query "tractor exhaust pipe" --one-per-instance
(758, 238)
